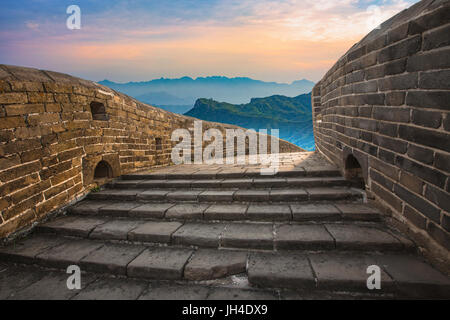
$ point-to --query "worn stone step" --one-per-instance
(249, 195)
(244, 235)
(343, 271)
(228, 212)
(404, 274)
(243, 183)
(19, 282)
(133, 260)
(236, 173)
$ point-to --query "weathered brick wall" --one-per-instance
(386, 102)
(51, 140)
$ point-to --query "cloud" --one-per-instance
(32, 25)
(280, 40)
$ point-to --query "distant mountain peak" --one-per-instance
(186, 90)
(292, 116)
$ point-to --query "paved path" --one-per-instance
(221, 232)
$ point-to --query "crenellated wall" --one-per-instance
(55, 130)
(384, 107)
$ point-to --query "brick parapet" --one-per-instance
(386, 102)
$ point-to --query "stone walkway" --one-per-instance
(221, 232)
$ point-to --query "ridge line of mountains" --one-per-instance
(292, 116)
(286, 107)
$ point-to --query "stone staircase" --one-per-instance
(305, 229)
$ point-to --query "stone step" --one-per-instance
(228, 212)
(233, 173)
(208, 195)
(244, 235)
(133, 260)
(242, 183)
(404, 274)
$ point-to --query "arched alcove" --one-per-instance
(354, 171)
(103, 171)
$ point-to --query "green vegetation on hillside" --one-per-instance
(292, 116)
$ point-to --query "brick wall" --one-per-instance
(55, 129)
(386, 102)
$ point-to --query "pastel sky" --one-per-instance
(137, 40)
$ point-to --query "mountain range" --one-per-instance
(179, 95)
(292, 116)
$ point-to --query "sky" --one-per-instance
(137, 40)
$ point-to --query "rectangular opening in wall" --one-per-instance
(158, 143)
(98, 111)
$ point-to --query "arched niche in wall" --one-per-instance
(103, 170)
(354, 171)
(99, 169)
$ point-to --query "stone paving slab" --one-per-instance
(112, 289)
(111, 258)
(115, 229)
(115, 195)
(356, 237)
(236, 183)
(185, 195)
(26, 250)
(226, 212)
(209, 264)
(291, 172)
(316, 194)
(151, 210)
(125, 184)
(280, 270)
(89, 207)
(71, 226)
(230, 174)
(120, 209)
(205, 174)
(248, 236)
(251, 195)
(159, 263)
(184, 175)
(199, 234)
(269, 182)
(216, 195)
(355, 211)
(152, 195)
(186, 211)
(14, 279)
(52, 286)
(319, 212)
(414, 277)
(346, 272)
(321, 171)
(156, 232)
(229, 294)
(215, 183)
(316, 182)
(303, 237)
(67, 254)
(175, 292)
(145, 184)
(178, 184)
(288, 195)
(259, 212)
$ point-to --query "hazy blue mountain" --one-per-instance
(180, 109)
(292, 116)
(163, 98)
(185, 91)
